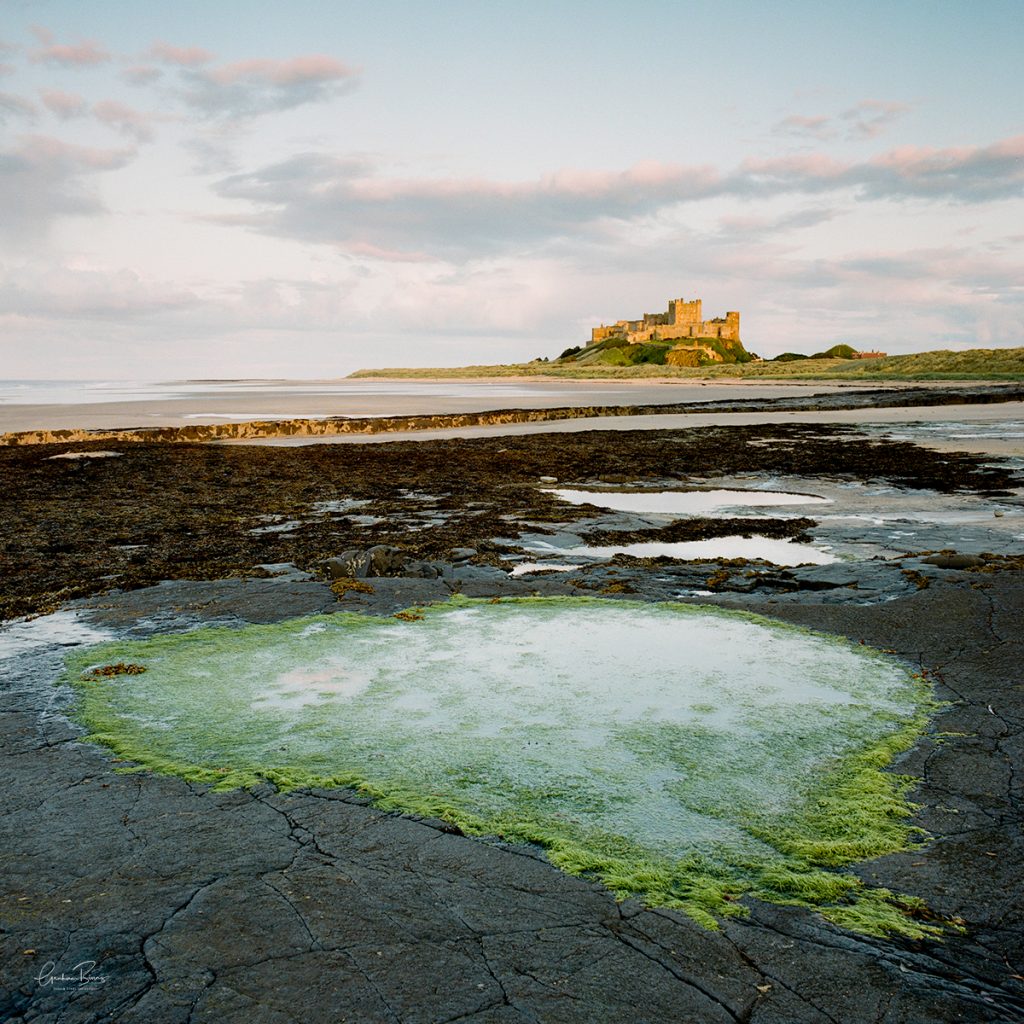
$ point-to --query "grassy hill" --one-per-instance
(691, 353)
(971, 364)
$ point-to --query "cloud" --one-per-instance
(247, 88)
(805, 127)
(343, 201)
(347, 203)
(95, 293)
(183, 56)
(213, 148)
(739, 226)
(135, 124)
(64, 104)
(12, 106)
(87, 53)
(141, 74)
(870, 118)
(966, 174)
(6, 69)
(864, 120)
(43, 178)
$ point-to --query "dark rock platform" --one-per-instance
(314, 906)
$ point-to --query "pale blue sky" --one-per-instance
(265, 189)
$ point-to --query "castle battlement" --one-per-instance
(684, 319)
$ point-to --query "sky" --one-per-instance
(196, 189)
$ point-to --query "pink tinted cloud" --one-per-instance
(135, 124)
(870, 118)
(805, 127)
(247, 88)
(87, 53)
(337, 201)
(64, 104)
(183, 56)
(807, 172)
(375, 252)
(864, 120)
(645, 180)
(962, 172)
(49, 154)
(297, 70)
(43, 179)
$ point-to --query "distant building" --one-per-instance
(683, 320)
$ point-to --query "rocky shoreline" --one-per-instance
(71, 528)
(877, 398)
(204, 906)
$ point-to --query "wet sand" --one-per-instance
(188, 405)
(1007, 412)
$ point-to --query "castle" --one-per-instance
(683, 320)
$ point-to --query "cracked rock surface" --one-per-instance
(315, 906)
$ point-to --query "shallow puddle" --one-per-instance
(523, 568)
(779, 552)
(686, 503)
(682, 754)
(86, 455)
(64, 628)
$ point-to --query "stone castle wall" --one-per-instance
(683, 320)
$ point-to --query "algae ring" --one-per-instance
(685, 755)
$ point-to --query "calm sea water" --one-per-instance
(75, 392)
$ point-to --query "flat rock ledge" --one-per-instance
(314, 906)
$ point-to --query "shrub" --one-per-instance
(650, 353)
(836, 352)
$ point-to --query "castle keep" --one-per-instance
(683, 320)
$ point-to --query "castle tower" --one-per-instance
(731, 331)
(685, 314)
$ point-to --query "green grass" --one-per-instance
(1006, 364)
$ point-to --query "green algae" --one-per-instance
(739, 789)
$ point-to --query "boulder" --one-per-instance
(381, 560)
(356, 563)
(954, 561)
